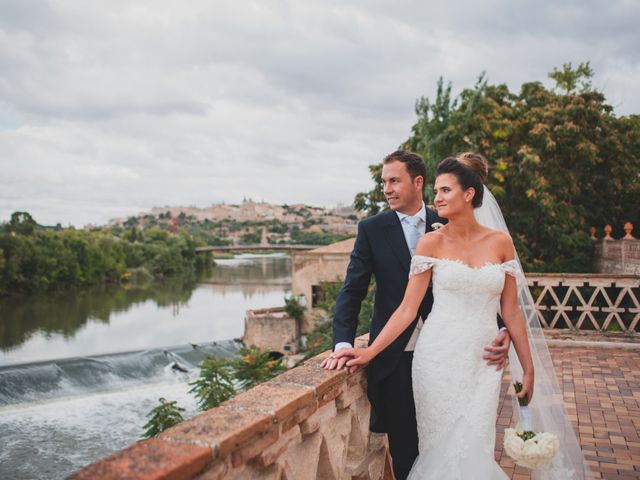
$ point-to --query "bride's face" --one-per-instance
(451, 199)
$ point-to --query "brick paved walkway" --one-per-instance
(601, 389)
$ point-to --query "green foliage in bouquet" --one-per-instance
(163, 416)
(214, 385)
(523, 402)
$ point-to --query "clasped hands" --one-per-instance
(352, 358)
(355, 358)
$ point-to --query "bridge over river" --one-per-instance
(258, 247)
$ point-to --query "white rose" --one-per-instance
(531, 452)
(513, 444)
(535, 452)
(548, 444)
(436, 226)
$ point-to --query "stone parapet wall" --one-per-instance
(307, 423)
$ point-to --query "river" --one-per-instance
(79, 371)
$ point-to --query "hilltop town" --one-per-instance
(251, 221)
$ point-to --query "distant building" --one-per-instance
(312, 268)
(270, 329)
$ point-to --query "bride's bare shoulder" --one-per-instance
(429, 243)
(503, 243)
(499, 235)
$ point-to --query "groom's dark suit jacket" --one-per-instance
(380, 249)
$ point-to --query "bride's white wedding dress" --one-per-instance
(456, 393)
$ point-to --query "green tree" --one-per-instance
(131, 222)
(254, 366)
(293, 307)
(251, 238)
(22, 223)
(567, 79)
(214, 385)
(163, 416)
(47, 259)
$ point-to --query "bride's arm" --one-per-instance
(514, 321)
(401, 318)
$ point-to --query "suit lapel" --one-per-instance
(397, 242)
(428, 227)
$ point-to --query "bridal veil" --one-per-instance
(547, 406)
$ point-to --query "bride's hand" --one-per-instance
(527, 386)
(360, 356)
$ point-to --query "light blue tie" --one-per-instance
(414, 231)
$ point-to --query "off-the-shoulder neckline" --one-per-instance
(461, 262)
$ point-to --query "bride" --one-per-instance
(474, 273)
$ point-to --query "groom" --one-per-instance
(384, 246)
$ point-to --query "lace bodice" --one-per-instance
(421, 263)
(462, 290)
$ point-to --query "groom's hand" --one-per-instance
(330, 363)
(356, 357)
(496, 353)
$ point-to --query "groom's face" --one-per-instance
(401, 191)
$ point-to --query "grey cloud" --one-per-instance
(108, 108)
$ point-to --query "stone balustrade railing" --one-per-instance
(628, 229)
(587, 301)
(307, 423)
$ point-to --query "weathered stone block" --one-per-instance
(357, 379)
(299, 416)
(221, 429)
(347, 396)
(246, 452)
(316, 377)
(278, 400)
(273, 452)
(323, 414)
(217, 470)
(300, 460)
(149, 460)
(331, 394)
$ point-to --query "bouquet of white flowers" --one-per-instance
(527, 448)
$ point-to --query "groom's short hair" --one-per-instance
(412, 161)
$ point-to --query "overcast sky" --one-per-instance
(108, 108)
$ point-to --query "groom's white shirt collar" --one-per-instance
(422, 213)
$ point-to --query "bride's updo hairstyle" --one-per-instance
(471, 170)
